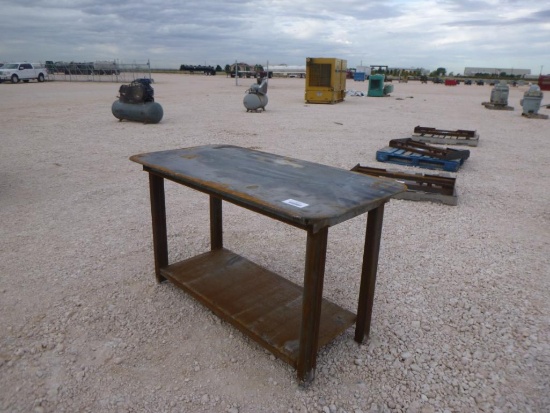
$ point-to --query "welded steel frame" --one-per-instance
(315, 259)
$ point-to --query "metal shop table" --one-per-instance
(291, 321)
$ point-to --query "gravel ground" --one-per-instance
(461, 313)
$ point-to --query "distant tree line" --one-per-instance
(441, 71)
(246, 70)
(228, 69)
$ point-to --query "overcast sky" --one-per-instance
(398, 33)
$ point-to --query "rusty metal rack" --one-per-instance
(411, 145)
(420, 186)
(446, 137)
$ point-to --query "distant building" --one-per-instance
(417, 70)
(471, 71)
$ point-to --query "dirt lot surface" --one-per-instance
(461, 313)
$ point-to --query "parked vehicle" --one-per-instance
(22, 71)
(544, 82)
(207, 70)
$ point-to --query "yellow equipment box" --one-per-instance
(325, 80)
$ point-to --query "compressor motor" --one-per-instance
(531, 102)
(499, 98)
(139, 91)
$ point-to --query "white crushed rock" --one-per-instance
(461, 314)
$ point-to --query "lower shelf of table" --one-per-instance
(260, 303)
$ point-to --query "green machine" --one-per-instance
(377, 87)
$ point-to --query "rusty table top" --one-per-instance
(305, 194)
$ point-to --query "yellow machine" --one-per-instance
(325, 80)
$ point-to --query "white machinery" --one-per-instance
(256, 97)
(531, 103)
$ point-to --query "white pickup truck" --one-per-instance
(22, 71)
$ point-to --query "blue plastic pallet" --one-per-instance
(403, 157)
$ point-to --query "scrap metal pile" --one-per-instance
(443, 136)
(413, 151)
(420, 186)
(411, 145)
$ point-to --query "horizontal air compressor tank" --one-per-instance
(255, 101)
(149, 112)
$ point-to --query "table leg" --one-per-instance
(216, 232)
(158, 214)
(368, 273)
(314, 273)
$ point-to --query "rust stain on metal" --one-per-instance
(240, 292)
